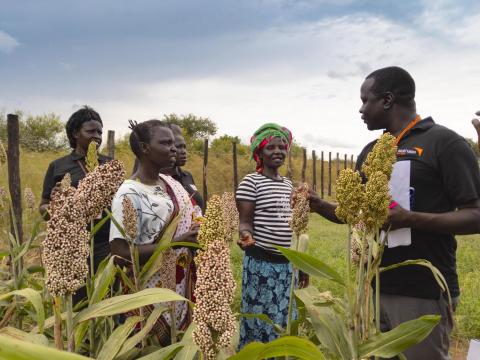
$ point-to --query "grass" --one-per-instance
(327, 240)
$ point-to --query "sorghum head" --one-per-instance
(301, 210)
(382, 157)
(350, 196)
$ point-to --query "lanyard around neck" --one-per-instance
(407, 128)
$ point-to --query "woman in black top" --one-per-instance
(84, 126)
(184, 177)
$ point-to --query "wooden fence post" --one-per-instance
(329, 173)
(235, 166)
(337, 165)
(205, 165)
(304, 164)
(345, 161)
(111, 143)
(351, 162)
(13, 156)
(314, 171)
(322, 172)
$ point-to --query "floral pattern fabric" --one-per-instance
(265, 290)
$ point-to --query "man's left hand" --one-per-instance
(398, 218)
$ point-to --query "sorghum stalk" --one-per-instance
(129, 214)
(57, 330)
(348, 298)
(290, 300)
(367, 287)
(377, 289)
(69, 322)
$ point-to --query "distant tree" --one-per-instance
(223, 144)
(194, 127)
(38, 133)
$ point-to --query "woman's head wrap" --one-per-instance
(263, 135)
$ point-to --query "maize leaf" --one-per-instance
(111, 348)
(311, 265)
(284, 346)
(393, 342)
(13, 349)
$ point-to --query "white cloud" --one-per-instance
(305, 76)
(7, 42)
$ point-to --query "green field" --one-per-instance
(327, 241)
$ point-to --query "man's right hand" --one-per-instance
(245, 240)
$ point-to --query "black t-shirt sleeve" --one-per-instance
(48, 182)
(460, 173)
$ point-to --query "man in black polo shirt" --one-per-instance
(440, 172)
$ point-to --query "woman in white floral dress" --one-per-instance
(157, 199)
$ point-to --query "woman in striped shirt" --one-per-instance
(263, 202)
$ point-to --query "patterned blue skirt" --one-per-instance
(265, 290)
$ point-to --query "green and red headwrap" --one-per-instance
(263, 135)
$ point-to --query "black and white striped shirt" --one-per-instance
(272, 209)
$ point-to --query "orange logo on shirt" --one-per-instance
(418, 151)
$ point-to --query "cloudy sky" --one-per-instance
(239, 62)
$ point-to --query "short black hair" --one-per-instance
(76, 121)
(396, 80)
(142, 132)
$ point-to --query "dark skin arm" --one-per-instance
(120, 247)
(322, 207)
(246, 210)
(463, 221)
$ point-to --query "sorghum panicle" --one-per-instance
(29, 198)
(377, 199)
(65, 248)
(214, 293)
(213, 226)
(66, 181)
(300, 211)
(382, 157)
(350, 196)
(230, 214)
(129, 219)
(99, 186)
(91, 160)
(215, 286)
